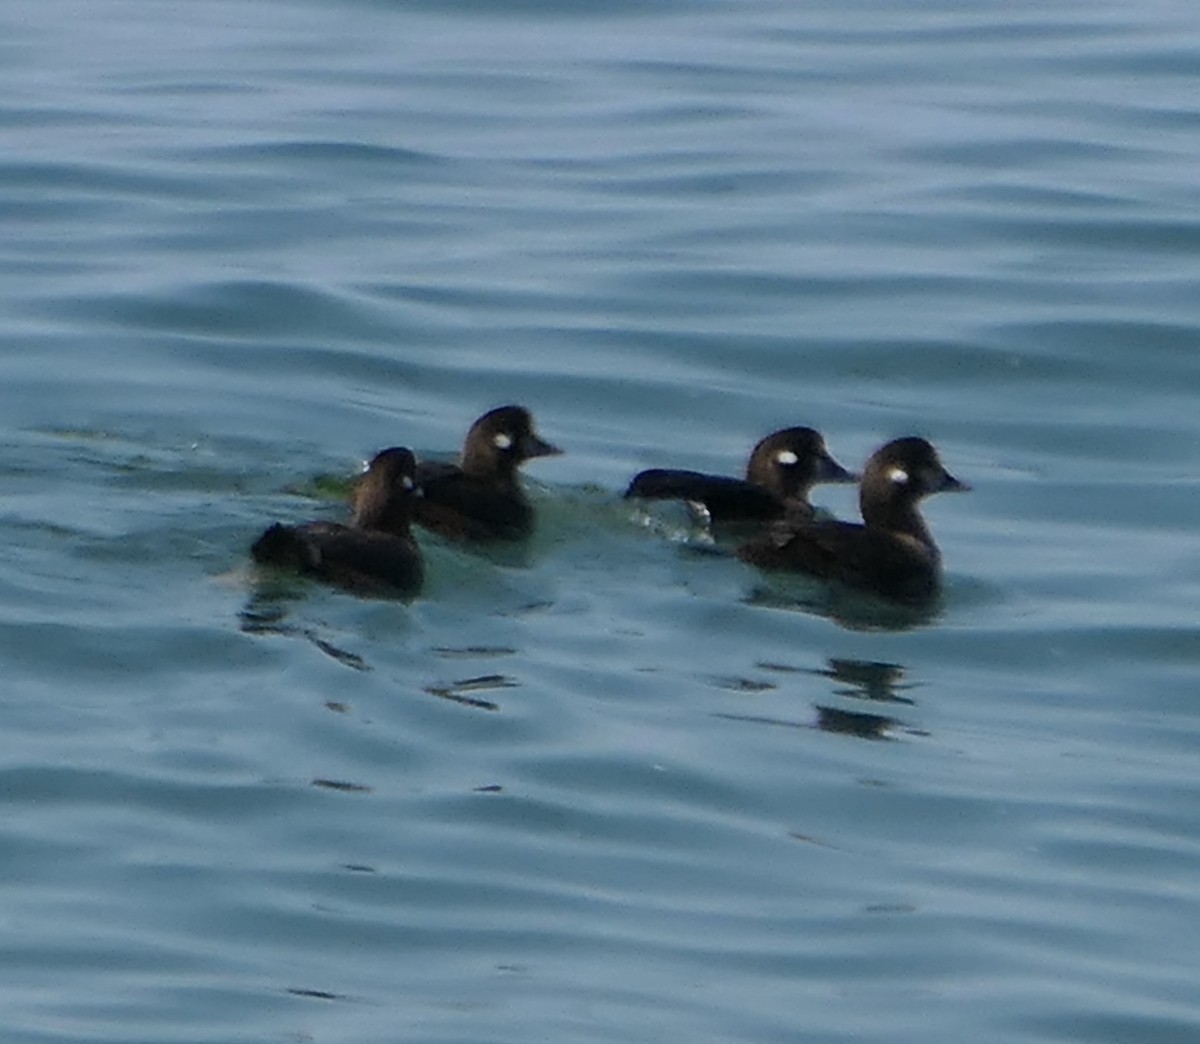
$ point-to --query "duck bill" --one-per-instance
(535, 446)
(950, 484)
(829, 470)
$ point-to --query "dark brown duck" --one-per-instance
(376, 552)
(480, 497)
(782, 469)
(892, 552)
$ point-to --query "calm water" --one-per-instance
(611, 787)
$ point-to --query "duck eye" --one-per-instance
(502, 440)
(898, 475)
(787, 458)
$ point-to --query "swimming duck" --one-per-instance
(783, 467)
(890, 553)
(480, 498)
(375, 551)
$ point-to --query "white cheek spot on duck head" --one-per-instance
(898, 475)
(502, 440)
(787, 458)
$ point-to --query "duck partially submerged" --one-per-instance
(782, 469)
(891, 552)
(480, 498)
(375, 551)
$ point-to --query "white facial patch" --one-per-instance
(787, 458)
(406, 483)
(502, 440)
(898, 475)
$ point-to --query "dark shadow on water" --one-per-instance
(854, 610)
(738, 683)
(829, 719)
(266, 612)
(344, 786)
(311, 994)
(459, 691)
(465, 652)
(868, 680)
(855, 723)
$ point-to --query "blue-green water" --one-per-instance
(609, 788)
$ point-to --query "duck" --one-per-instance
(375, 551)
(891, 553)
(782, 468)
(480, 498)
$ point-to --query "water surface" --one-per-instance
(612, 785)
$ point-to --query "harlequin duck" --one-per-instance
(480, 498)
(782, 469)
(892, 552)
(376, 551)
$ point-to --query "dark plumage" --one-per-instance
(376, 551)
(892, 552)
(782, 469)
(480, 498)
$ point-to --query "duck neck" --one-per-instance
(500, 470)
(766, 476)
(372, 511)
(898, 516)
